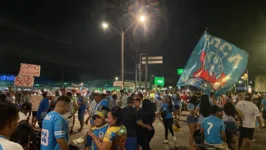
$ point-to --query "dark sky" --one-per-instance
(65, 37)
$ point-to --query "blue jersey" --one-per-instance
(213, 126)
(82, 107)
(99, 133)
(43, 107)
(54, 127)
(167, 111)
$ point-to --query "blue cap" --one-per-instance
(104, 103)
(190, 106)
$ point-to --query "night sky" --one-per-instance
(65, 36)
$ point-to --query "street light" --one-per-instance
(116, 78)
(105, 25)
(142, 18)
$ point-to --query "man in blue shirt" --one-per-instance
(54, 134)
(81, 110)
(214, 129)
(43, 108)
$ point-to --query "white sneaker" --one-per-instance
(174, 138)
(165, 141)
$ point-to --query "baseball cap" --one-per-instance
(215, 108)
(190, 106)
(102, 114)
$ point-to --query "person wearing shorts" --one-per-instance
(192, 121)
(249, 113)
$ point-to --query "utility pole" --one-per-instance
(146, 73)
(122, 58)
(140, 69)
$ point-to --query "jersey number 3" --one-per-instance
(210, 126)
(45, 137)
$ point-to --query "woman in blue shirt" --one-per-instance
(166, 113)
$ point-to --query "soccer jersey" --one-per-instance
(99, 133)
(43, 107)
(54, 127)
(213, 126)
(167, 111)
(117, 135)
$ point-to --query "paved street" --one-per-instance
(182, 137)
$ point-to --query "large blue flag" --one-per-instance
(215, 65)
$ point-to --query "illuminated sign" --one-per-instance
(7, 77)
(159, 81)
(180, 71)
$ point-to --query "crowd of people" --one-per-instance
(124, 120)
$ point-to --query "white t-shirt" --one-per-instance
(228, 118)
(21, 117)
(8, 145)
(35, 101)
(250, 112)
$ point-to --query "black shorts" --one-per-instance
(34, 113)
(264, 113)
(247, 133)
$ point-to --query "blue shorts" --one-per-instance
(131, 143)
(176, 106)
(192, 119)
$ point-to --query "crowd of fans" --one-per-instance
(124, 120)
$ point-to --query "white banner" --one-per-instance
(30, 70)
(260, 84)
(24, 81)
(126, 84)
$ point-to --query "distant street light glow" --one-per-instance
(142, 18)
(104, 25)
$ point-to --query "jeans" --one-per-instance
(131, 143)
(168, 125)
(144, 138)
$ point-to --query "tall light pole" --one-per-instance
(105, 25)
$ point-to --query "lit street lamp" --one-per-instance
(122, 33)
(116, 78)
(104, 25)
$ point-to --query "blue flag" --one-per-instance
(215, 65)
